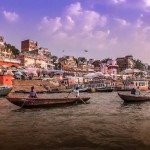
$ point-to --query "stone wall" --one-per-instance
(39, 85)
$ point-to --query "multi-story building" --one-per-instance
(68, 63)
(28, 45)
(6, 55)
(30, 60)
(1, 42)
(32, 55)
(41, 51)
(110, 67)
(125, 62)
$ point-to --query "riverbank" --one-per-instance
(41, 86)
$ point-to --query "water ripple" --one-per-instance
(106, 123)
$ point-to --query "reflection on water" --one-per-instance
(106, 123)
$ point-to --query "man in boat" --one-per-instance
(138, 91)
(75, 92)
(33, 93)
(133, 91)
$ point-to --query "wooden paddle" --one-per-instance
(146, 93)
(78, 97)
(82, 100)
(68, 94)
(23, 103)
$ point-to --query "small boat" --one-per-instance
(105, 89)
(99, 85)
(133, 98)
(4, 90)
(45, 102)
(84, 89)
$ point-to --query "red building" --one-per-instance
(28, 45)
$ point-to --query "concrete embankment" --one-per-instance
(39, 85)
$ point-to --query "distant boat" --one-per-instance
(106, 89)
(100, 85)
(133, 98)
(143, 85)
(45, 102)
(84, 89)
(4, 90)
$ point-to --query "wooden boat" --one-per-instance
(122, 89)
(84, 89)
(97, 85)
(106, 89)
(133, 98)
(4, 90)
(45, 102)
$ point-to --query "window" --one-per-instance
(141, 83)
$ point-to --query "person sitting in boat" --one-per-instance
(133, 91)
(33, 93)
(138, 91)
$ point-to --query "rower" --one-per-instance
(33, 93)
(133, 91)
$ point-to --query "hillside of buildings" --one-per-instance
(59, 74)
(33, 56)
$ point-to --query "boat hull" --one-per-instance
(104, 90)
(133, 98)
(5, 91)
(40, 102)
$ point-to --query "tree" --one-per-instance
(105, 60)
(96, 63)
(82, 59)
(14, 50)
(54, 58)
(139, 65)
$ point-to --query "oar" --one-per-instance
(82, 100)
(146, 93)
(23, 103)
(68, 94)
(77, 97)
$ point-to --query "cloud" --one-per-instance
(147, 3)
(75, 20)
(79, 28)
(51, 25)
(122, 22)
(10, 16)
(74, 9)
(139, 21)
(118, 1)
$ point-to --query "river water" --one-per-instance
(105, 123)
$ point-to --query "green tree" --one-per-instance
(96, 63)
(105, 60)
(54, 58)
(139, 65)
(14, 50)
(82, 59)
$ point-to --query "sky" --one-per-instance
(105, 28)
